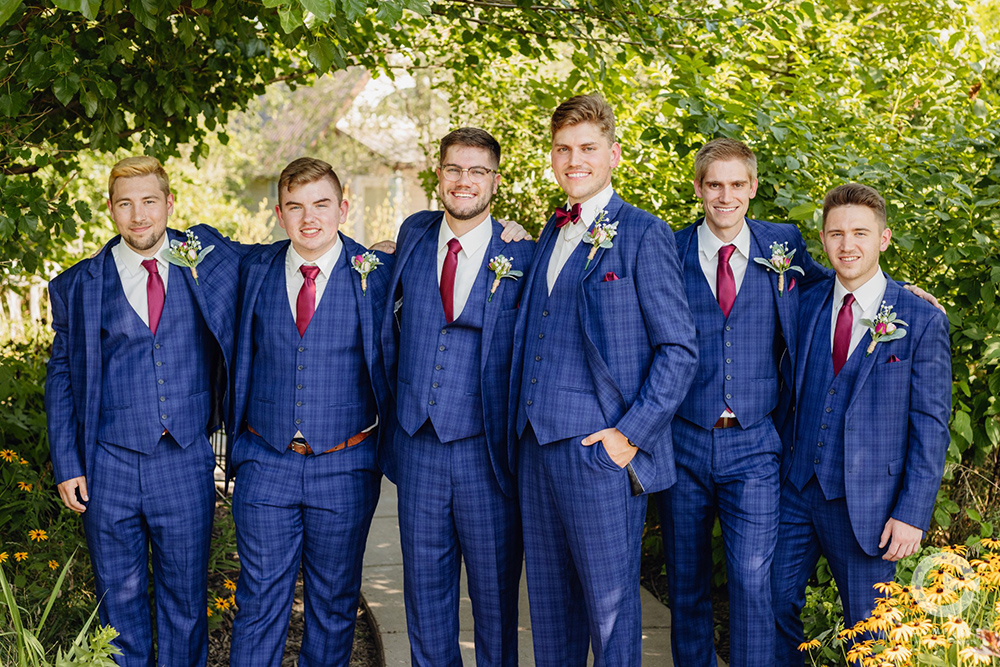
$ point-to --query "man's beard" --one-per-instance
(477, 207)
(143, 244)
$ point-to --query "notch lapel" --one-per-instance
(867, 363)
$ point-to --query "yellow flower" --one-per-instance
(923, 625)
(221, 603)
(859, 651)
(8, 455)
(975, 657)
(897, 653)
(229, 585)
(959, 549)
(24, 486)
(232, 600)
(209, 611)
(20, 555)
(934, 640)
(53, 564)
(811, 644)
(991, 543)
(38, 535)
(902, 632)
(957, 628)
(23, 462)
(885, 587)
(3, 556)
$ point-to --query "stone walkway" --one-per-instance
(382, 588)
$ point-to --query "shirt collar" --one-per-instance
(867, 296)
(325, 262)
(709, 244)
(588, 213)
(472, 241)
(132, 261)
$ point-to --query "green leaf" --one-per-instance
(65, 87)
(421, 7)
(291, 17)
(354, 9)
(89, 100)
(7, 8)
(802, 211)
(321, 9)
(88, 8)
(973, 514)
(962, 425)
(321, 55)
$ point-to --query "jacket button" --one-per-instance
(729, 396)
(729, 361)
(728, 328)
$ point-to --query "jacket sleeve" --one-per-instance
(61, 419)
(930, 409)
(814, 271)
(671, 332)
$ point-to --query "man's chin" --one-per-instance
(463, 216)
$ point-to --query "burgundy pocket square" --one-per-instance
(609, 276)
(893, 359)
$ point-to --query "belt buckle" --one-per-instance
(300, 448)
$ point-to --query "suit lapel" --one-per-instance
(492, 308)
(821, 313)
(538, 272)
(612, 208)
(92, 305)
(363, 302)
(868, 362)
(762, 234)
(196, 288)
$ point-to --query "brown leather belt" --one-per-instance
(726, 422)
(300, 446)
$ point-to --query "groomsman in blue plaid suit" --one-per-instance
(725, 442)
(134, 385)
(604, 352)
(309, 389)
(447, 351)
(864, 459)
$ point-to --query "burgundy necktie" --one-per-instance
(154, 293)
(564, 217)
(725, 283)
(842, 334)
(305, 304)
(448, 279)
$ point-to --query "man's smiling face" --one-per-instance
(725, 192)
(582, 160)
(310, 215)
(469, 196)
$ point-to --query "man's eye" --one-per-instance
(477, 172)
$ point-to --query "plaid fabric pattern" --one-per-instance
(164, 499)
(290, 511)
(451, 508)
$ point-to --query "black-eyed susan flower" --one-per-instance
(3, 556)
(229, 585)
(23, 462)
(38, 535)
(897, 653)
(935, 640)
(20, 556)
(210, 611)
(24, 486)
(957, 628)
(974, 656)
(809, 645)
(53, 564)
(991, 543)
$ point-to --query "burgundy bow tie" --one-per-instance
(564, 217)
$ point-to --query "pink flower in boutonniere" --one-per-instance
(365, 264)
(885, 328)
(600, 235)
(780, 262)
(187, 253)
(501, 268)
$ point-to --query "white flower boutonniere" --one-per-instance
(365, 264)
(501, 268)
(600, 235)
(780, 261)
(188, 253)
(885, 328)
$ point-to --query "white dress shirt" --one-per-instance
(569, 236)
(475, 243)
(867, 301)
(294, 278)
(134, 276)
(708, 254)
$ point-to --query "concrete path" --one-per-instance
(382, 588)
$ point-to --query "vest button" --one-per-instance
(729, 344)
(298, 421)
(545, 313)
(301, 367)
(729, 377)
(438, 367)
(729, 361)
(435, 385)
(156, 345)
(538, 358)
(302, 349)
(819, 444)
(816, 461)
(298, 386)
(530, 401)
(160, 381)
(159, 363)
(163, 416)
(832, 392)
(444, 332)
(541, 335)
(534, 380)
(431, 402)
(829, 409)
(441, 347)
(729, 396)
(822, 427)
(162, 398)
(728, 328)
(298, 404)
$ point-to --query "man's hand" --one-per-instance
(67, 491)
(905, 539)
(513, 232)
(388, 247)
(615, 444)
(926, 296)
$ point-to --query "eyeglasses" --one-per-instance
(476, 174)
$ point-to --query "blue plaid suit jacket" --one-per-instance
(370, 305)
(497, 345)
(73, 381)
(765, 234)
(640, 339)
(896, 424)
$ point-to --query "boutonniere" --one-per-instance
(188, 253)
(365, 264)
(501, 268)
(600, 235)
(885, 328)
(781, 261)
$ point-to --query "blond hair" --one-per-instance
(585, 109)
(722, 150)
(306, 170)
(139, 165)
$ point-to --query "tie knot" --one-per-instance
(726, 251)
(848, 300)
(150, 265)
(309, 272)
(454, 246)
